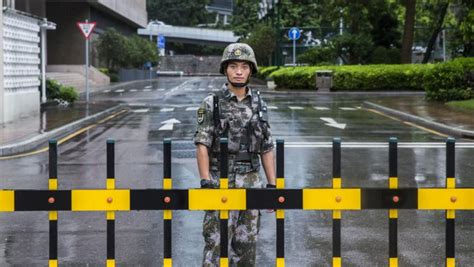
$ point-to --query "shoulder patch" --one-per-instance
(200, 115)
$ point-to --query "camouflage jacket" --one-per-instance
(244, 123)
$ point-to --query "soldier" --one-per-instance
(241, 116)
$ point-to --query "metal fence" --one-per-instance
(337, 199)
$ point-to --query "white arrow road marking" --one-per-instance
(119, 91)
(168, 124)
(331, 122)
(166, 109)
(272, 107)
(133, 90)
(192, 108)
(347, 108)
(295, 108)
(141, 110)
(146, 90)
(149, 86)
(321, 108)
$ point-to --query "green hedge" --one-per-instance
(451, 80)
(355, 77)
(55, 90)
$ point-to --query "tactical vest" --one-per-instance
(247, 145)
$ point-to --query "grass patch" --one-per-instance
(464, 104)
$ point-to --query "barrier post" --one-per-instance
(280, 214)
(336, 214)
(110, 215)
(224, 214)
(167, 214)
(53, 215)
(393, 213)
(450, 214)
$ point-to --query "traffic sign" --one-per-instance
(160, 41)
(294, 33)
(86, 28)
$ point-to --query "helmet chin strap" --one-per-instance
(239, 85)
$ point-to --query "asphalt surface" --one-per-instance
(305, 120)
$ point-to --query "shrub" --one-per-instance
(355, 77)
(264, 72)
(450, 81)
(104, 71)
(68, 93)
(52, 89)
(318, 55)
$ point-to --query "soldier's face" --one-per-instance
(238, 72)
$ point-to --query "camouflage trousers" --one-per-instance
(243, 228)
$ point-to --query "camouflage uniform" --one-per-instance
(248, 133)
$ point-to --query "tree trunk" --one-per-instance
(441, 13)
(408, 32)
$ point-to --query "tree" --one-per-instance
(244, 17)
(180, 13)
(440, 14)
(112, 47)
(408, 31)
(119, 51)
(262, 40)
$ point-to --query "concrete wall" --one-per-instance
(134, 10)
(2, 90)
(190, 64)
(66, 43)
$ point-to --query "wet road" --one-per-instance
(303, 120)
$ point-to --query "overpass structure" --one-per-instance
(189, 35)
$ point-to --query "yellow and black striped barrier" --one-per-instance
(224, 199)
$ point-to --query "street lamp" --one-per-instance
(44, 26)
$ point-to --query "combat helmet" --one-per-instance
(239, 52)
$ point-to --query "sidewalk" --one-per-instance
(437, 116)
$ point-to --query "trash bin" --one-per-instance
(323, 80)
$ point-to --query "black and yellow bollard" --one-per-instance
(110, 215)
(450, 214)
(167, 214)
(280, 214)
(393, 213)
(224, 214)
(53, 215)
(336, 214)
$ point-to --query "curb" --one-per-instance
(456, 132)
(42, 139)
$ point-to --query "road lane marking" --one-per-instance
(107, 91)
(148, 86)
(166, 109)
(66, 138)
(188, 89)
(376, 145)
(160, 89)
(119, 91)
(331, 122)
(133, 90)
(144, 110)
(192, 108)
(168, 124)
(146, 90)
(347, 108)
(272, 107)
(321, 108)
(408, 123)
(295, 108)
(202, 89)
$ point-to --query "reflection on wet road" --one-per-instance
(306, 121)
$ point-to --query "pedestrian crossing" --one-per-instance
(281, 108)
(135, 90)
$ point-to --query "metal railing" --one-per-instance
(224, 199)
